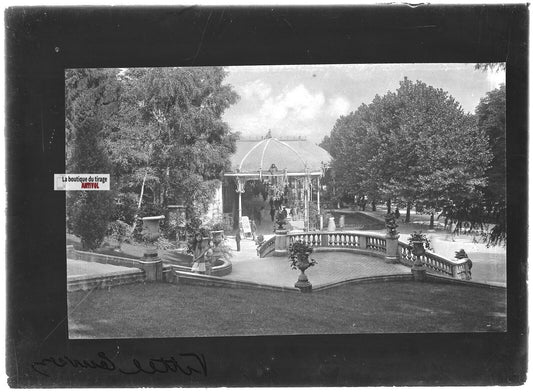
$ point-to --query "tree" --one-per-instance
(491, 119)
(89, 211)
(491, 66)
(414, 145)
(170, 136)
(89, 92)
(89, 97)
(488, 210)
(441, 154)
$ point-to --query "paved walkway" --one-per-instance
(332, 267)
(489, 263)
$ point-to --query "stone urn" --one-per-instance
(153, 266)
(150, 229)
(299, 254)
(303, 283)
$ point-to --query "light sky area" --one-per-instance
(306, 100)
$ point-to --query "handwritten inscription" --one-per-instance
(187, 364)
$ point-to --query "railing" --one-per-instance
(267, 247)
(371, 242)
(344, 240)
(434, 262)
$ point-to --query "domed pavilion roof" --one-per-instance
(295, 155)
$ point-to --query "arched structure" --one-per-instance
(280, 163)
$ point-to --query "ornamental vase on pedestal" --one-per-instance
(418, 270)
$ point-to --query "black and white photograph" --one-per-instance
(240, 196)
(232, 196)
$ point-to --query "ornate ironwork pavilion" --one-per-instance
(283, 165)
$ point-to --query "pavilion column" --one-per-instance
(318, 194)
(240, 191)
(240, 207)
(306, 202)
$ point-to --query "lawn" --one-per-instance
(165, 310)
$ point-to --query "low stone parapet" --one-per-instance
(150, 267)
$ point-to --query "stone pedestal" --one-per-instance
(152, 266)
(419, 272)
(281, 246)
(303, 283)
(391, 255)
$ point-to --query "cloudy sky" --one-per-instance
(306, 100)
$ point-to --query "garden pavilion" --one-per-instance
(285, 166)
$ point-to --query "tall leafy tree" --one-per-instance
(415, 145)
(170, 137)
(87, 94)
(441, 154)
(489, 209)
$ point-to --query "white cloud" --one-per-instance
(255, 90)
(495, 78)
(338, 106)
(296, 103)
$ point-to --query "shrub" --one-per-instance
(89, 212)
(118, 230)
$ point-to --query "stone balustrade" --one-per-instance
(372, 243)
(454, 268)
(357, 240)
(267, 247)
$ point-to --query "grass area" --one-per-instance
(165, 310)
